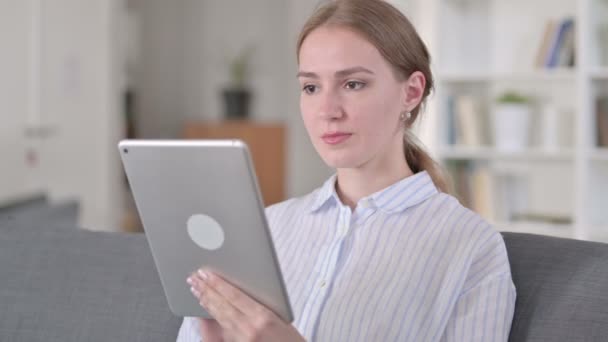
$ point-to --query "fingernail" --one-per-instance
(194, 292)
(203, 274)
(190, 281)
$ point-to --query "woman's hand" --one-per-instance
(239, 316)
(210, 330)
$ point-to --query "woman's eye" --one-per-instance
(309, 88)
(354, 85)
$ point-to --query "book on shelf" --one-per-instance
(544, 43)
(459, 177)
(558, 44)
(546, 218)
(450, 122)
(496, 195)
(473, 185)
(601, 110)
(465, 121)
(483, 193)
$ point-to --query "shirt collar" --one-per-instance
(405, 193)
(325, 193)
(397, 197)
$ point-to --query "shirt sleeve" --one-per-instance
(484, 313)
(189, 332)
(484, 309)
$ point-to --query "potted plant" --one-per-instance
(511, 121)
(237, 95)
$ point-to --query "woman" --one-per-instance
(380, 251)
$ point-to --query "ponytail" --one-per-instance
(419, 160)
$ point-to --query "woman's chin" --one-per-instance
(339, 161)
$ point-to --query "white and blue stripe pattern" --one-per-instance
(408, 264)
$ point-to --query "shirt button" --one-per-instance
(322, 284)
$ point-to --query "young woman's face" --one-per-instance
(350, 99)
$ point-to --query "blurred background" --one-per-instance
(519, 118)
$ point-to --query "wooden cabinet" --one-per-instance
(266, 143)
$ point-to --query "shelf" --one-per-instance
(490, 153)
(557, 230)
(599, 74)
(600, 154)
(560, 74)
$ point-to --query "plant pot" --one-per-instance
(511, 126)
(236, 103)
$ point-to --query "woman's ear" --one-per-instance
(413, 89)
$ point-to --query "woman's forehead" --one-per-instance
(331, 49)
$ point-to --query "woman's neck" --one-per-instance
(356, 183)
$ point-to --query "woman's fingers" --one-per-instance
(226, 314)
(240, 316)
(234, 295)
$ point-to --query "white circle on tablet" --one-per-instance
(205, 232)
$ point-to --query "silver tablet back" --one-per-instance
(200, 206)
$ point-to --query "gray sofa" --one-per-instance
(61, 283)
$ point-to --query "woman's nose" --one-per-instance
(330, 107)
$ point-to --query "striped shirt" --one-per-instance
(409, 263)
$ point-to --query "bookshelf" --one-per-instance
(488, 153)
(520, 76)
(556, 181)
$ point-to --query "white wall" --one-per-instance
(159, 72)
(215, 32)
(78, 100)
(14, 27)
(183, 65)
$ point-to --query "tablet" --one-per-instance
(200, 205)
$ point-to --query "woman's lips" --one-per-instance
(335, 138)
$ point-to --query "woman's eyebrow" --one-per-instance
(338, 74)
(353, 70)
(307, 74)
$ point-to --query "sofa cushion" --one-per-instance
(10, 212)
(39, 213)
(23, 204)
(76, 285)
(562, 288)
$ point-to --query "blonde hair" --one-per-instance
(397, 40)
